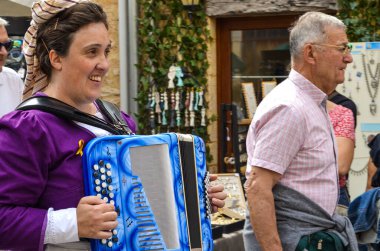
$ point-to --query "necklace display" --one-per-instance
(178, 106)
(372, 83)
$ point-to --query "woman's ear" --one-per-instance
(55, 60)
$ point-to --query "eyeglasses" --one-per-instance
(7, 45)
(344, 49)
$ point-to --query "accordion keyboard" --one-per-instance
(153, 182)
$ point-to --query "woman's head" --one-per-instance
(54, 22)
(57, 33)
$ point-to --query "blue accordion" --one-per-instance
(158, 186)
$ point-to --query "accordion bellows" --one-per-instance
(158, 184)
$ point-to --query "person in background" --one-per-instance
(11, 85)
(340, 99)
(292, 179)
(373, 162)
(343, 122)
(42, 202)
(347, 153)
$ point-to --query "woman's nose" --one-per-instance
(103, 64)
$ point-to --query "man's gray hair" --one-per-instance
(311, 28)
(3, 22)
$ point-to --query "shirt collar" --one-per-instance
(307, 87)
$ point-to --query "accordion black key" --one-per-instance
(158, 184)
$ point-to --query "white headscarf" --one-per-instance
(42, 11)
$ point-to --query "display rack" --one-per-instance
(233, 139)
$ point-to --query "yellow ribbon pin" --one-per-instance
(80, 149)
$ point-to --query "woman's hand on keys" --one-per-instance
(95, 218)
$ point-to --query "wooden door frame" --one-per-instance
(224, 26)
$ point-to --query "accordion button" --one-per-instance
(111, 195)
(110, 244)
(97, 182)
(102, 170)
(99, 195)
(112, 202)
(101, 162)
(109, 180)
(96, 167)
(96, 175)
(108, 166)
(103, 177)
(104, 185)
(104, 241)
(109, 173)
(105, 199)
(115, 239)
(98, 189)
(104, 191)
(114, 232)
(110, 187)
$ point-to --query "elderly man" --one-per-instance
(11, 85)
(292, 179)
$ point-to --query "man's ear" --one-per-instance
(309, 53)
(55, 60)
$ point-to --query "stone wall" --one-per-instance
(111, 87)
(211, 97)
(233, 8)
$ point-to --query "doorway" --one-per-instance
(254, 52)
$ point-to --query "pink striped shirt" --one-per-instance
(291, 134)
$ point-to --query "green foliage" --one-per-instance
(362, 18)
(169, 35)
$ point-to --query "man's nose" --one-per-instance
(348, 58)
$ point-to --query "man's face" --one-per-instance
(3, 52)
(332, 61)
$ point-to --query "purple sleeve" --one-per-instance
(24, 158)
(130, 122)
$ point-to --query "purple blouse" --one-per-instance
(39, 169)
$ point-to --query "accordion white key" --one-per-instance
(158, 184)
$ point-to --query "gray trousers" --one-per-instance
(250, 243)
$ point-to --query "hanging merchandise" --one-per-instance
(171, 75)
(371, 80)
(173, 110)
(187, 105)
(179, 75)
(177, 110)
(151, 104)
(179, 106)
(203, 118)
(164, 98)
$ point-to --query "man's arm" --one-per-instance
(261, 207)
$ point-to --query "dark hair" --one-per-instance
(57, 33)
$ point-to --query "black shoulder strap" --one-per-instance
(113, 115)
(63, 110)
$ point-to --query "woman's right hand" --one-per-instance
(95, 218)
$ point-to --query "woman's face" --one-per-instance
(84, 67)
